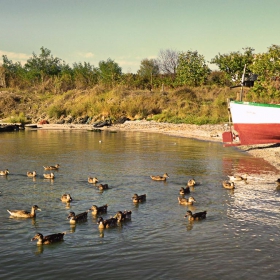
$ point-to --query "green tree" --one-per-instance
(85, 75)
(109, 72)
(233, 63)
(192, 69)
(147, 73)
(42, 66)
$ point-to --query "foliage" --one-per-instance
(232, 64)
(109, 72)
(192, 69)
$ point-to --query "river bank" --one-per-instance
(269, 152)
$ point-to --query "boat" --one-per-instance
(252, 123)
(9, 127)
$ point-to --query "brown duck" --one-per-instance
(186, 201)
(139, 198)
(31, 174)
(185, 190)
(92, 180)
(23, 213)
(73, 219)
(228, 185)
(196, 216)
(159, 178)
(52, 167)
(66, 197)
(112, 222)
(98, 210)
(49, 239)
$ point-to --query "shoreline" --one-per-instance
(209, 132)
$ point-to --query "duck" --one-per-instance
(52, 167)
(123, 216)
(196, 216)
(77, 218)
(138, 198)
(92, 180)
(49, 176)
(186, 201)
(228, 185)
(98, 210)
(238, 177)
(103, 187)
(4, 173)
(23, 213)
(66, 197)
(160, 178)
(48, 239)
(191, 183)
(31, 174)
(184, 191)
(111, 222)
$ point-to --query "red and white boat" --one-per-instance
(253, 123)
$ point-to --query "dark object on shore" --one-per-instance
(103, 123)
(9, 127)
(121, 120)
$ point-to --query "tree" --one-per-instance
(148, 69)
(43, 65)
(233, 63)
(85, 75)
(168, 61)
(267, 65)
(110, 72)
(192, 69)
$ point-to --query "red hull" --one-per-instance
(251, 134)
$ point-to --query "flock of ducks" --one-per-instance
(120, 216)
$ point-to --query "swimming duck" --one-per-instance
(103, 187)
(23, 213)
(92, 180)
(77, 218)
(123, 216)
(66, 197)
(185, 190)
(228, 185)
(160, 178)
(196, 216)
(98, 210)
(5, 172)
(52, 238)
(238, 177)
(31, 174)
(52, 167)
(191, 183)
(186, 201)
(112, 222)
(139, 198)
(49, 176)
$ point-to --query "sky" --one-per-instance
(128, 31)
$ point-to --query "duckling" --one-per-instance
(66, 197)
(123, 216)
(31, 174)
(228, 185)
(92, 180)
(196, 216)
(186, 201)
(49, 176)
(52, 167)
(103, 187)
(191, 183)
(4, 173)
(98, 210)
(139, 198)
(112, 222)
(238, 177)
(184, 191)
(160, 178)
(77, 218)
(52, 238)
(23, 213)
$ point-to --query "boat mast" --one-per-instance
(242, 83)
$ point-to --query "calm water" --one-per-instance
(238, 240)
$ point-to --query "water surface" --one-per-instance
(238, 240)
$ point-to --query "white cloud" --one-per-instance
(15, 57)
(86, 55)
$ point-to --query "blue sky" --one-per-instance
(128, 31)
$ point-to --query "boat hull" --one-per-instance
(253, 123)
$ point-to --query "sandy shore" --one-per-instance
(270, 152)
